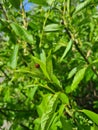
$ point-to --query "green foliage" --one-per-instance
(22, 33)
(14, 57)
(49, 65)
(91, 115)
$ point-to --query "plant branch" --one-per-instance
(4, 11)
(75, 41)
(25, 23)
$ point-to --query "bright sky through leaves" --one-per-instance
(27, 5)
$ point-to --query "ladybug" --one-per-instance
(37, 65)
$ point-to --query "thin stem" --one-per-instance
(4, 11)
(25, 23)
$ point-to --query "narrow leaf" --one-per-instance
(39, 2)
(68, 6)
(52, 28)
(49, 65)
(47, 116)
(15, 3)
(56, 81)
(92, 115)
(22, 32)
(42, 66)
(64, 98)
(72, 72)
(82, 6)
(66, 50)
(14, 58)
(78, 77)
(43, 57)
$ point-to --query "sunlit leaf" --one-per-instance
(64, 98)
(66, 50)
(52, 28)
(42, 66)
(56, 81)
(92, 115)
(72, 72)
(47, 116)
(77, 79)
(43, 57)
(49, 64)
(82, 6)
(14, 57)
(22, 32)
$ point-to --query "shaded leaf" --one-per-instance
(39, 2)
(16, 3)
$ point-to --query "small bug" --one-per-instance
(37, 66)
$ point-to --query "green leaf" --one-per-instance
(39, 2)
(68, 6)
(43, 57)
(66, 50)
(7, 97)
(66, 124)
(42, 66)
(16, 3)
(72, 72)
(82, 6)
(56, 81)
(22, 32)
(47, 116)
(14, 57)
(92, 115)
(52, 28)
(49, 65)
(77, 79)
(44, 104)
(50, 2)
(64, 98)
(31, 92)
